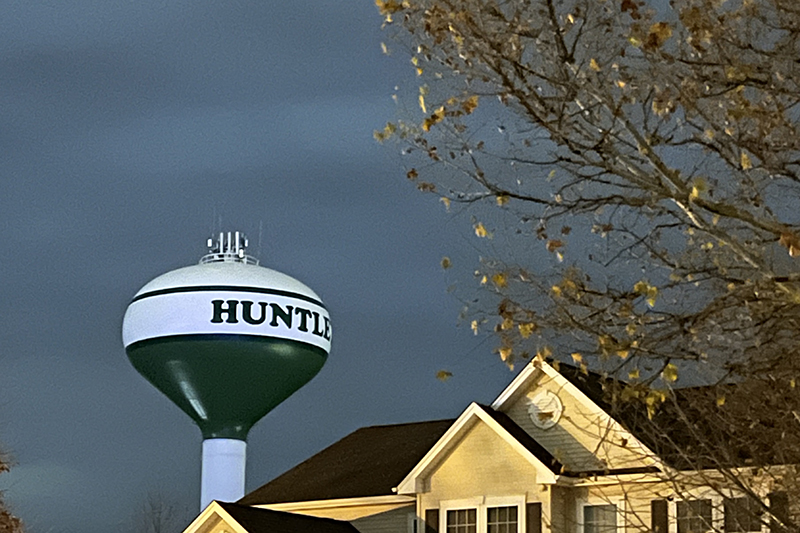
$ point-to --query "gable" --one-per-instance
(507, 436)
(585, 438)
(481, 463)
(214, 519)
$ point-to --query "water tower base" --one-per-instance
(222, 471)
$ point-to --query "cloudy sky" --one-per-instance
(129, 131)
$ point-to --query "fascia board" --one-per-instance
(443, 445)
(566, 384)
(411, 483)
(398, 499)
(212, 509)
(522, 380)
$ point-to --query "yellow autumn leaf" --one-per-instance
(544, 353)
(435, 118)
(446, 262)
(422, 103)
(593, 65)
(446, 202)
(641, 287)
(480, 230)
(500, 280)
(470, 104)
(526, 329)
(745, 161)
(474, 327)
(501, 199)
(576, 357)
(720, 401)
(658, 34)
(652, 294)
(507, 324)
(387, 7)
(633, 374)
(443, 375)
(670, 373)
(699, 186)
(556, 290)
(505, 353)
(623, 354)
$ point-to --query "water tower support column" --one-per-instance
(222, 470)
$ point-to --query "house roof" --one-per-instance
(368, 462)
(691, 430)
(256, 520)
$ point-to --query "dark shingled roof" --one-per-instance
(369, 462)
(256, 520)
(690, 430)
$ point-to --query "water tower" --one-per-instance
(226, 340)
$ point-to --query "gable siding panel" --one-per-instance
(468, 471)
(395, 521)
(582, 440)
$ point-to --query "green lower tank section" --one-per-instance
(226, 383)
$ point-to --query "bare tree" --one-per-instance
(651, 152)
(8, 522)
(160, 514)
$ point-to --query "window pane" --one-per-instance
(600, 519)
(502, 519)
(694, 516)
(462, 521)
(742, 515)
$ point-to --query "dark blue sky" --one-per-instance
(128, 131)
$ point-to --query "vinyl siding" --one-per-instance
(395, 521)
(583, 439)
(470, 471)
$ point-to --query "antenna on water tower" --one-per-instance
(226, 340)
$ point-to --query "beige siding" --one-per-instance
(583, 439)
(482, 463)
(345, 512)
(562, 511)
(396, 521)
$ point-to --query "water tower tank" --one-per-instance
(226, 340)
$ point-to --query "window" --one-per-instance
(694, 516)
(742, 515)
(462, 521)
(490, 514)
(502, 519)
(600, 518)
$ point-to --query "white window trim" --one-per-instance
(600, 500)
(481, 505)
(717, 514)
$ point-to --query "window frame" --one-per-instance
(595, 501)
(482, 505)
(717, 513)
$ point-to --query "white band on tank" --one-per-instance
(199, 311)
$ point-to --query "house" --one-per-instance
(549, 455)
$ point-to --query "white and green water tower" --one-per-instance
(226, 340)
